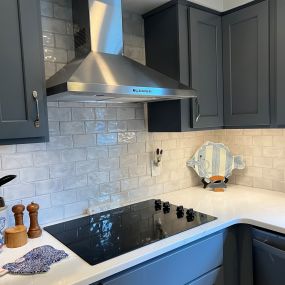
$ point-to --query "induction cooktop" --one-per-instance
(103, 236)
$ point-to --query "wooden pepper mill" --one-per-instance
(34, 230)
(18, 211)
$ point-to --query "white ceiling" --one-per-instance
(143, 6)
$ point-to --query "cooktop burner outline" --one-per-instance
(106, 235)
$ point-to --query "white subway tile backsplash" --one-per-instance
(19, 191)
(84, 140)
(95, 127)
(63, 197)
(59, 114)
(88, 166)
(34, 174)
(46, 9)
(119, 174)
(117, 150)
(117, 126)
(55, 55)
(83, 114)
(127, 137)
(125, 113)
(64, 13)
(98, 177)
(60, 142)
(42, 158)
(53, 25)
(72, 128)
(110, 188)
(129, 184)
(99, 154)
(75, 182)
(75, 209)
(62, 170)
(7, 149)
(48, 39)
(76, 154)
(130, 160)
(136, 125)
(19, 160)
(106, 113)
(107, 139)
(48, 186)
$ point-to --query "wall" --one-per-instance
(264, 153)
(98, 155)
(229, 4)
(57, 34)
(213, 4)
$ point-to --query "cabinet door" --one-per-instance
(214, 277)
(246, 66)
(179, 267)
(280, 62)
(206, 65)
(21, 71)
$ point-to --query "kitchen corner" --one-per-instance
(147, 142)
(239, 205)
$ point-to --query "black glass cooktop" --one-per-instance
(100, 237)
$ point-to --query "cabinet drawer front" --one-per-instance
(215, 277)
(178, 267)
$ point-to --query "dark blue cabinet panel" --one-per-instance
(178, 267)
(185, 43)
(206, 67)
(246, 67)
(279, 60)
(21, 73)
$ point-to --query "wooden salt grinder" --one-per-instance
(16, 236)
(18, 211)
(34, 230)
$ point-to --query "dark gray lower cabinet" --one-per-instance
(193, 264)
(21, 73)
(246, 67)
(214, 277)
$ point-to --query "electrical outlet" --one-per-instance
(155, 169)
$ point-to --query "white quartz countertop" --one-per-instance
(237, 205)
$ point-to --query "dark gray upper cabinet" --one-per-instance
(206, 67)
(246, 67)
(21, 73)
(186, 44)
(278, 61)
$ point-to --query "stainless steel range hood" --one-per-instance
(104, 74)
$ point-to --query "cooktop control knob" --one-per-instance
(157, 204)
(190, 214)
(180, 209)
(166, 207)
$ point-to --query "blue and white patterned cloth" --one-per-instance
(36, 261)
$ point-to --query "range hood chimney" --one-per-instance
(100, 72)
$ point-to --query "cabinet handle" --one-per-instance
(37, 120)
(198, 115)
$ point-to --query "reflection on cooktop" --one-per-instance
(102, 236)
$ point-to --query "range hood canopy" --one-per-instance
(100, 72)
